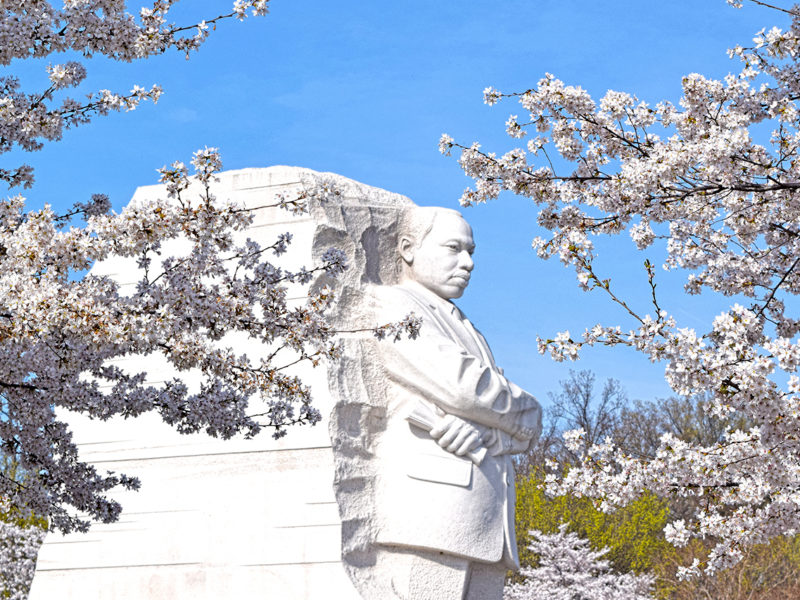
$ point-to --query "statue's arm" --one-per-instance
(461, 384)
(499, 442)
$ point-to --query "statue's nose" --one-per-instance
(466, 261)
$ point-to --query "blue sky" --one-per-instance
(365, 89)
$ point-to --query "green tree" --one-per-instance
(633, 534)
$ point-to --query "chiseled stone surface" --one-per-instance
(243, 519)
(422, 519)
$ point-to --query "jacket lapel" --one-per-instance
(453, 324)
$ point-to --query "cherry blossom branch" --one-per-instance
(772, 6)
(691, 181)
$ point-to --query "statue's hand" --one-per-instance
(456, 435)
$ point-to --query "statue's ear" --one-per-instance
(405, 247)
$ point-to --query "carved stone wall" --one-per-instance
(243, 519)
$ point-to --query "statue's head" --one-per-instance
(435, 249)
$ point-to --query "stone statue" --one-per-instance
(424, 432)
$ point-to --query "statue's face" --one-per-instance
(443, 261)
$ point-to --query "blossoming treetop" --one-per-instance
(59, 329)
(696, 182)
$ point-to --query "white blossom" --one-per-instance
(570, 570)
(491, 96)
(699, 182)
(61, 331)
(445, 144)
(58, 333)
(85, 28)
(19, 546)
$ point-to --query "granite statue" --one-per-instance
(425, 428)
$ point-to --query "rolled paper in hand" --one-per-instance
(423, 417)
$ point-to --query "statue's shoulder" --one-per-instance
(395, 294)
(395, 301)
(397, 291)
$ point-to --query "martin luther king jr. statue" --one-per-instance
(444, 425)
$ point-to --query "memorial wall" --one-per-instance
(239, 519)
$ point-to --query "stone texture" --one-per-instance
(244, 519)
(422, 519)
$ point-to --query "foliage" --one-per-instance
(642, 423)
(598, 417)
(766, 572)
(576, 406)
(632, 535)
(693, 181)
(20, 538)
(634, 541)
(570, 570)
(635, 426)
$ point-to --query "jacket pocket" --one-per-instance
(440, 468)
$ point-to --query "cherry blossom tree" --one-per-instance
(58, 334)
(19, 546)
(570, 570)
(60, 328)
(700, 185)
(85, 28)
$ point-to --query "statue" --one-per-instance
(423, 434)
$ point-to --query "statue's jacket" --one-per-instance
(425, 496)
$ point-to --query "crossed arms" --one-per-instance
(476, 404)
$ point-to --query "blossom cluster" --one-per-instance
(570, 570)
(59, 334)
(408, 326)
(86, 28)
(321, 189)
(19, 547)
(699, 183)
